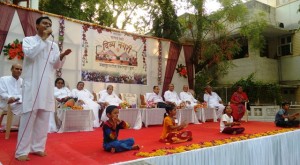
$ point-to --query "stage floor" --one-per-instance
(86, 147)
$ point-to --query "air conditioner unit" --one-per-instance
(284, 50)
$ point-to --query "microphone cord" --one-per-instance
(35, 96)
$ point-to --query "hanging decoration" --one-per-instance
(181, 70)
(159, 76)
(85, 44)
(14, 50)
(60, 41)
(144, 53)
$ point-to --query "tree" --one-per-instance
(107, 13)
(165, 22)
(216, 37)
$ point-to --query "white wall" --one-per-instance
(265, 70)
(287, 14)
(268, 2)
(290, 67)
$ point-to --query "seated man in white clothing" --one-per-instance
(171, 97)
(109, 98)
(88, 99)
(156, 99)
(213, 100)
(187, 97)
(11, 92)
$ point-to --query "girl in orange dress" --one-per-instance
(173, 133)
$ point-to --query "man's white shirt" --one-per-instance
(172, 96)
(10, 87)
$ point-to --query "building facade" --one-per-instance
(279, 61)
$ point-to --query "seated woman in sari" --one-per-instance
(173, 133)
(88, 100)
(237, 103)
(61, 94)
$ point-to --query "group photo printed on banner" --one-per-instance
(113, 57)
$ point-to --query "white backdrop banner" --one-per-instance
(113, 57)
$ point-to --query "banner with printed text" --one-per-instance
(113, 57)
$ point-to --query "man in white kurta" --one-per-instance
(213, 100)
(171, 97)
(89, 101)
(109, 98)
(41, 59)
(11, 92)
(156, 98)
(187, 97)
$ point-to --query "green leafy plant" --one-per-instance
(264, 93)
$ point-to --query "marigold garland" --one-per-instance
(13, 50)
(179, 149)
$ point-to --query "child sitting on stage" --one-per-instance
(111, 131)
(226, 123)
(171, 131)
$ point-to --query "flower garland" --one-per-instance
(159, 76)
(181, 69)
(60, 41)
(144, 53)
(13, 50)
(179, 149)
(85, 44)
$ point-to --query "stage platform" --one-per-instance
(86, 147)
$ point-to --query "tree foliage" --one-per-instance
(267, 93)
(111, 13)
(217, 36)
(165, 21)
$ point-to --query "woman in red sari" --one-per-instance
(237, 103)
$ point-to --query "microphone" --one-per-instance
(49, 28)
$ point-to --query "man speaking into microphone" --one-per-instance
(41, 59)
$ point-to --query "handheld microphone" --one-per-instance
(49, 28)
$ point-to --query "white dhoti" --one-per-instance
(219, 107)
(90, 104)
(33, 131)
(104, 117)
(52, 123)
